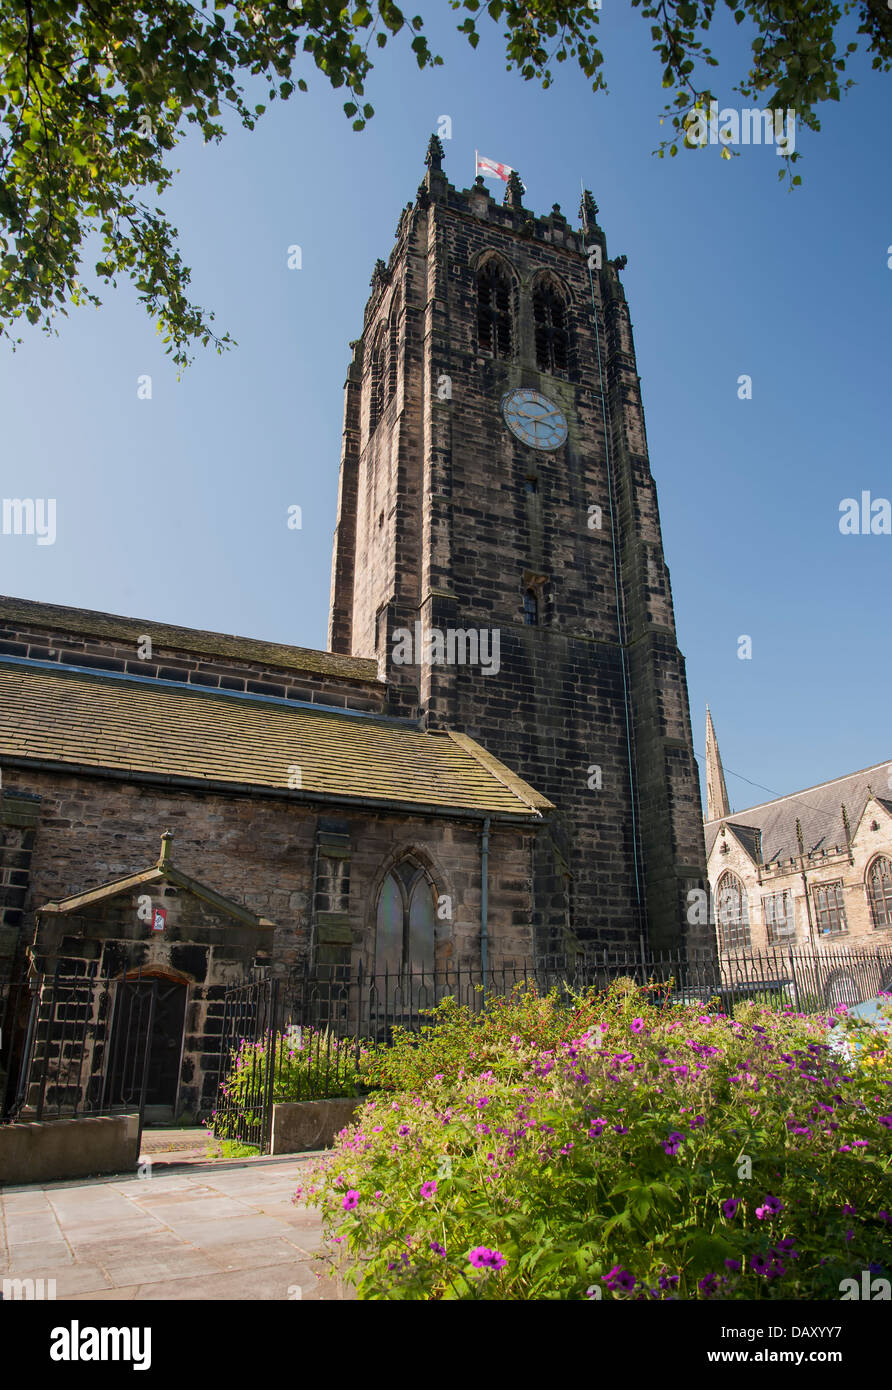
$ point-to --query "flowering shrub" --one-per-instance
(311, 1064)
(474, 1040)
(649, 1154)
(868, 1041)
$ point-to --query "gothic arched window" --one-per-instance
(407, 912)
(378, 382)
(494, 311)
(733, 913)
(393, 356)
(550, 321)
(879, 891)
(531, 608)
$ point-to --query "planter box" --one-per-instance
(310, 1124)
(47, 1150)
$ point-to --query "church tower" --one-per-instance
(495, 485)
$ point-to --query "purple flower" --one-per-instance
(619, 1278)
(621, 1129)
(403, 1129)
(484, 1100)
(673, 1143)
(761, 1265)
(697, 1121)
(437, 1248)
(481, 1257)
(428, 1189)
(770, 1207)
(709, 1284)
(849, 1210)
(637, 1025)
(351, 1200)
(886, 1120)
(597, 1128)
(729, 1208)
(733, 1265)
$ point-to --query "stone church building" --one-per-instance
(810, 871)
(492, 763)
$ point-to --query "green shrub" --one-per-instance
(312, 1064)
(648, 1154)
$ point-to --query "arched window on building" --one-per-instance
(879, 891)
(733, 914)
(495, 328)
(378, 382)
(531, 608)
(550, 320)
(407, 913)
(393, 347)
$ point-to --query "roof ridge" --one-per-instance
(788, 796)
(84, 619)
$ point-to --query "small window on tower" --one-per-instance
(494, 317)
(531, 608)
(531, 485)
(551, 325)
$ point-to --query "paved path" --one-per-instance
(190, 1230)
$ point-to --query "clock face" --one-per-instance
(534, 419)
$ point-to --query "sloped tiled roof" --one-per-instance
(219, 644)
(818, 808)
(147, 728)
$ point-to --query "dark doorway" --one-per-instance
(146, 1043)
(167, 1044)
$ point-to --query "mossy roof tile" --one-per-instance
(143, 727)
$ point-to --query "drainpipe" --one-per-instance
(484, 901)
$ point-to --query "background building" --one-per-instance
(808, 870)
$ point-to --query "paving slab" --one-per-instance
(198, 1231)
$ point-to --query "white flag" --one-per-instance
(490, 168)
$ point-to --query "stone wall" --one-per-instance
(262, 854)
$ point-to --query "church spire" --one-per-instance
(716, 792)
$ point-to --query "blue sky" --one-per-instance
(175, 508)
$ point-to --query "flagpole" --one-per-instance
(476, 163)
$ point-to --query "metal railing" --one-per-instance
(75, 1045)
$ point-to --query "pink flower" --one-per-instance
(351, 1200)
(637, 1025)
(428, 1189)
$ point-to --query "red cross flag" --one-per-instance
(490, 169)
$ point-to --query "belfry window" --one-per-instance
(393, 355)
(407, 911)
(879, 891)
(551, 328)
(378, 383)
(531, 608)
(494, 317)
(733, 913)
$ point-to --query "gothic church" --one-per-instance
(493, 762)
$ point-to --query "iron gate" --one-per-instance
(77, 1046)
(244, 1109)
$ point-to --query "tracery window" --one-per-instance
(879, 891)
(551, 328)
(378, 382)
(407, 912)
(495, 329)
(733, 913)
